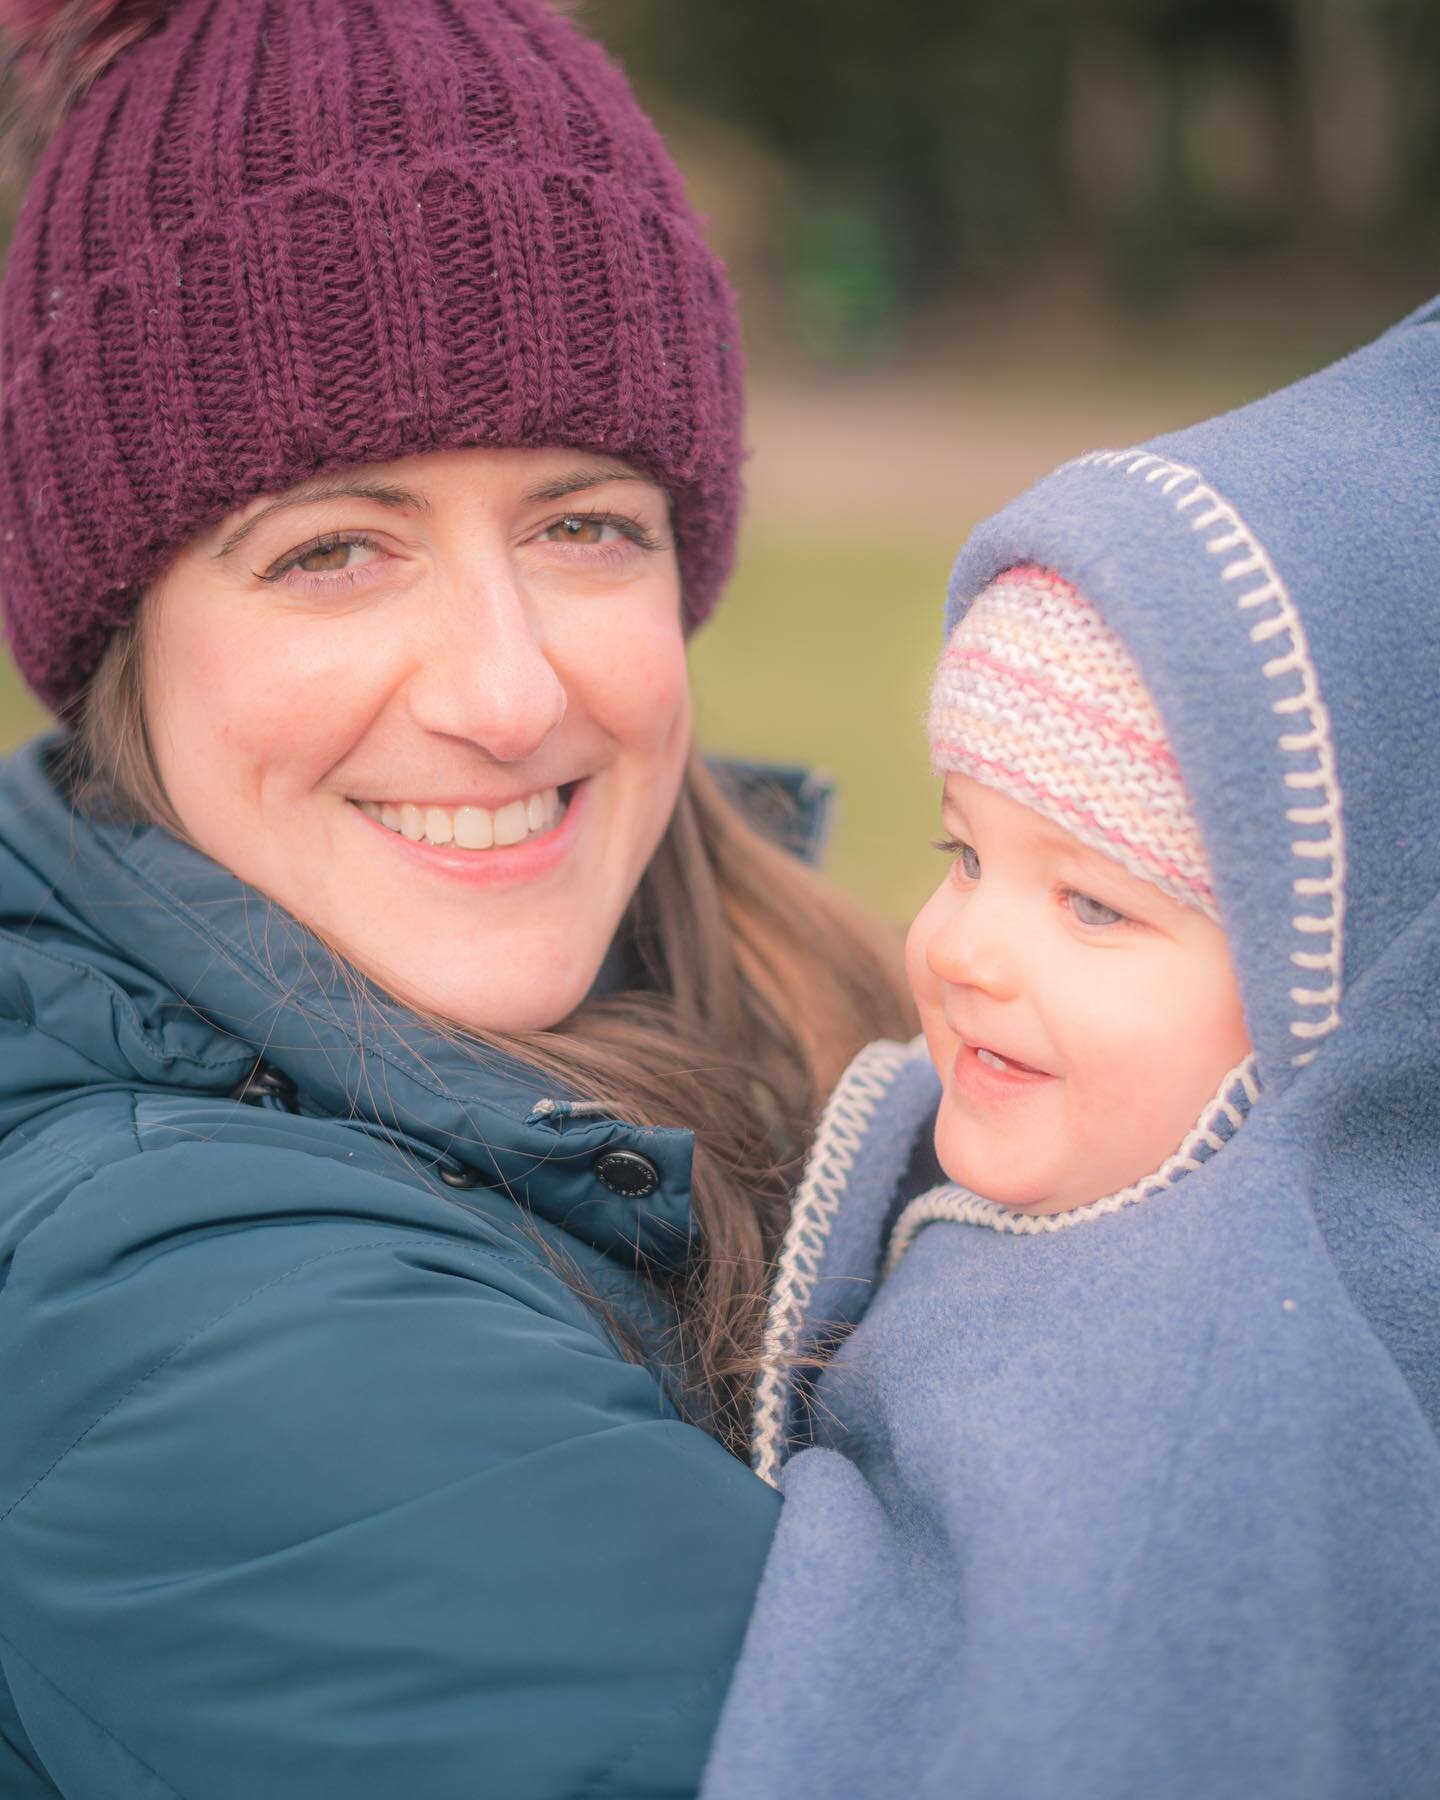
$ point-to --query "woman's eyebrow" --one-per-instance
(328, 488)
(560, 487)
(575, 481)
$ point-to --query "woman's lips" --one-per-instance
(986, 1076)
(501, 866)
(470, 826)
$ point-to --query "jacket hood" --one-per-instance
(129, 960)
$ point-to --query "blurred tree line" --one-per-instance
(891, 152)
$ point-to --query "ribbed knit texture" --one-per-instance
(279, 237)
(1038, 699)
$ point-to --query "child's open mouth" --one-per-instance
(987, 1075)
(1006, 1064)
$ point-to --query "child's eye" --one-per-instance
(1090, 911)
(964, 853)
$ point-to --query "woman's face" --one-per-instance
(438, 709)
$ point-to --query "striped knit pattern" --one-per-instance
(1038, 699)
(282, 236)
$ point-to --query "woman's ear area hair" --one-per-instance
(107, 761)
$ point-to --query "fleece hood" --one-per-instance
(1273, 573)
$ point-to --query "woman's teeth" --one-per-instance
(469, 827)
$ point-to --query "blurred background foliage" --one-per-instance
(972, 238)
(902, 152)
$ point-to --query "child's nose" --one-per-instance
(975, 947)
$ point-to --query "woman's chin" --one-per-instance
(505, 983)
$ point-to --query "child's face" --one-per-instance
(1111, 1009)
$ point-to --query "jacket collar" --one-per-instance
(188, 977)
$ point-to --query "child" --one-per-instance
(1127, 1483)
(1074, 983)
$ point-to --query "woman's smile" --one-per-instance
(470, 824)
(517, 842)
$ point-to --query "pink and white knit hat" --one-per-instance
(1037, 698)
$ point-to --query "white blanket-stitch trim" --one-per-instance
(1236, 1095)
(838, 1137)
(1306, 745)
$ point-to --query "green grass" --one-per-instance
(20, 716)
(820, 655)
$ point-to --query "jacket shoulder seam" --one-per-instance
(26, 1135)
(389, 1242)
(117, 997)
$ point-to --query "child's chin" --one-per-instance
(1014, 1189)
(986, 1182)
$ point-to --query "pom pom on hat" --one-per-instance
(1036, 697)
(54, 51)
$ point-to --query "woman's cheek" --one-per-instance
(629, 674)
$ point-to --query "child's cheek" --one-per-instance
(1150, 1061)
(926, 986)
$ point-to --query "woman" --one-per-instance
(404, 1047)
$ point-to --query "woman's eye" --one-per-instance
(595, 531)
(326, 559)
(1090, 911)
(329, 560)
(579, 528)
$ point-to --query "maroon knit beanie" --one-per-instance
(281, 236)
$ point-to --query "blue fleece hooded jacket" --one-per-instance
(1144, 1500)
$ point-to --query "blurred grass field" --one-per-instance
(20, 716)
(821, 655)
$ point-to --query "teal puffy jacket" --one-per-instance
(318, 1476)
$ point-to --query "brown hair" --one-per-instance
(754, 982)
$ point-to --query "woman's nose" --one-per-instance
(487, 675)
